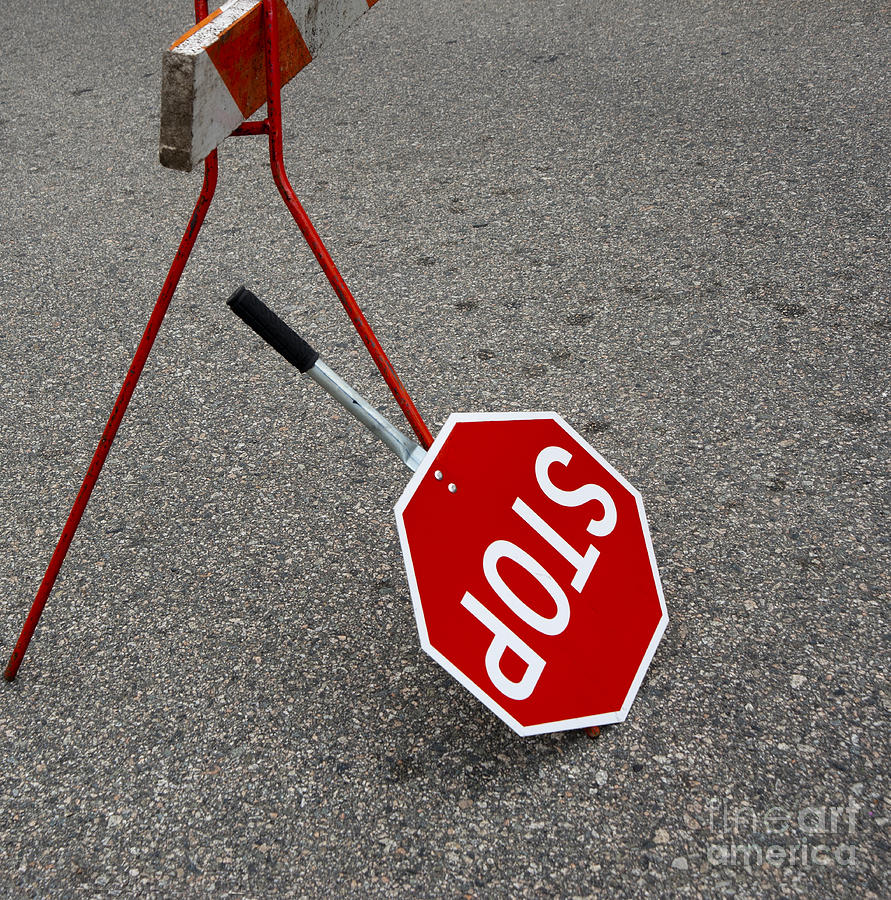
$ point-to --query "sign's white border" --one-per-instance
(565, 724)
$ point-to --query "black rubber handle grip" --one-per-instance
(258, 316)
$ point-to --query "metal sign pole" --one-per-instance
(264, 322)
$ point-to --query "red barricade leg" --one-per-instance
(276, 159)
(117, 413)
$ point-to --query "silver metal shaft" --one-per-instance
(404, 447)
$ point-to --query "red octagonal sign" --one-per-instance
(531, 570)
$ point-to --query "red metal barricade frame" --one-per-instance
(271, 126)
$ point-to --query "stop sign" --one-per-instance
(531, 570)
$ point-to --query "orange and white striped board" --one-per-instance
(214, 77)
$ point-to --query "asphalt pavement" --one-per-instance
(668, 222)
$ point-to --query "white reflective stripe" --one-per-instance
(212, 104)
(582, 564)
(499, 550)
(321, 21)
(504, 639)
(578, 497)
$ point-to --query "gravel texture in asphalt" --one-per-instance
(667, 221)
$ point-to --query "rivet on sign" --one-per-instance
(453, 488)
(437, 475)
